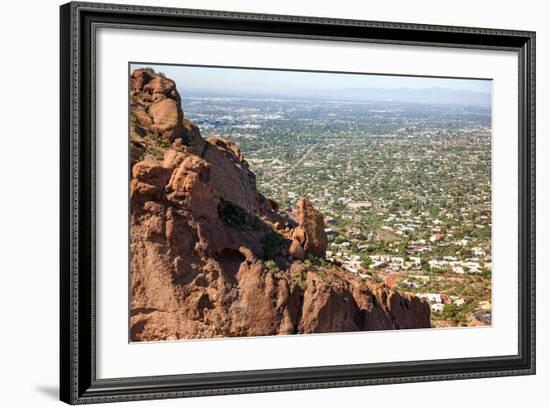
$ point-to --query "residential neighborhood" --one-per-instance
(405, 189)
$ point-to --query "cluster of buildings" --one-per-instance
(437, 301)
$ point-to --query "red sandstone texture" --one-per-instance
(212, 257)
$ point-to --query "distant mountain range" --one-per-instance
(433, 95)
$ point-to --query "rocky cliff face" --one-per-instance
(212, 257)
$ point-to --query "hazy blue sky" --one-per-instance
(230, 79)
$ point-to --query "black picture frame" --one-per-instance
(78, 382)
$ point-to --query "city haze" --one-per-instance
(262, 83)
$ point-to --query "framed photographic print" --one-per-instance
(255, 203)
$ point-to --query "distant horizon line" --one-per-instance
(140, 65)
(411, 96)
(231, 79)
(341, 89)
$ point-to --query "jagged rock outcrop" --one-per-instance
(156, 104)
(231, 176)
(211, 257)
(309, 236)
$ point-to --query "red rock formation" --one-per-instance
(231, 177)
(156, 104)
(328, 306)
(202, 235)
(310, 232)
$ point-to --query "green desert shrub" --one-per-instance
(236, 217)
(272, 266)
(271, 244)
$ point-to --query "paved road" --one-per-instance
(307, 153)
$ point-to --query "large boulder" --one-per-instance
(310, 230)
(231, 177)
(149, 178)
(189, 186)
(156, 105)
(165, 114)
(327, 307)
